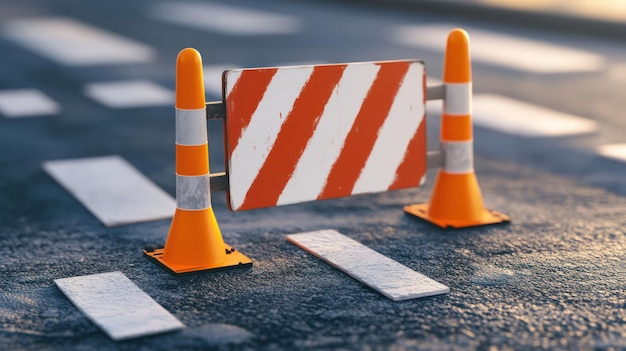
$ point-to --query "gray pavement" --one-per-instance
(552, 279)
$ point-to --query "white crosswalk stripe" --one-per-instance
(504, 50)
(71, 42)
(19, 103)
(613, 151)
(112, 189)
(226, 19)
(132, 93)
(516, 117)
(213, 78)
(520, 118)
(117, 305)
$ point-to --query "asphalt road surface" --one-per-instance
(549, 156)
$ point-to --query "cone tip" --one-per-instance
(458, 34)
(189, 80)
(457, 67)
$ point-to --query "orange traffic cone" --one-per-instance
(456, 200)
(194, 242)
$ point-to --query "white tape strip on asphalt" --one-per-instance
(614, 151)
(371, 268)
(117, 305)
(504, 50)
(113, 190)
(26, 103)
(520, 118)
(226, 19)
(73, 43)
(132, 93)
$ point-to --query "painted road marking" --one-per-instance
(132, 93)
(379, 272)
(504, 50)
(26, 103)
(520, 118)
(614, 151)
(118, 306)
(74, 43)
(113, 190)
(213, 78)
(226, 19)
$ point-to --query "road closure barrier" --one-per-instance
(456, 200)
(304, 133)
(296, 134)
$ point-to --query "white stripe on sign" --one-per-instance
(226, 19)
(405, 116)
(113, 190)
(371, 268)
(213, 78)
(118, 306)
(504, 50)
(132, 93)
(324, 147)
(520, 118)
(258, 138)
(614, 151)
(70, 42)
(26, 103)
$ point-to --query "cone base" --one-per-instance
(488, 217)
(234, 259)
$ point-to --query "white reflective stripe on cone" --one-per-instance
(191, 127)
(458, 99)
(193, 192)
(458, 156)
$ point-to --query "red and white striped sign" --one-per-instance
(304, 133)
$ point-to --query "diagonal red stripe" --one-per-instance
(413, 166)
(243, 100)
(293, 137)
(361, 138)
